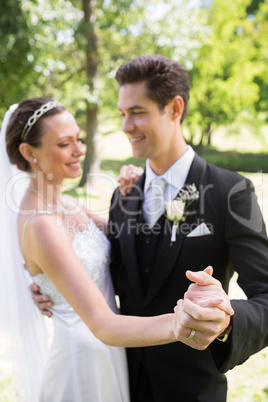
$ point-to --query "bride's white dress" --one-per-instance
(80, 368)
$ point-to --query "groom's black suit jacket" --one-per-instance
(149, 276)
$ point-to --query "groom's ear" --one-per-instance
(27, 152)
(177, 105)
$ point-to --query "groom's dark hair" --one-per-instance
(164, 77)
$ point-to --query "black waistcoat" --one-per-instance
(148, 242)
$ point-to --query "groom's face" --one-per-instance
(148, 128)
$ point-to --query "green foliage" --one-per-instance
(40, 55)
(224, 51)
(226, 77)
(169, 28)
(223, 46)
(15, 66)
(254, 6)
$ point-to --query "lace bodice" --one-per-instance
(93, 249)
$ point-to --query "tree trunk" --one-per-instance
(91, 158)
(91, 162)
(209, 135)
(198, 148)
(206, 133)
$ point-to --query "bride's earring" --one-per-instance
(34, 160)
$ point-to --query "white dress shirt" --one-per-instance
(175, 176)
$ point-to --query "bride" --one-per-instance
(67, 255)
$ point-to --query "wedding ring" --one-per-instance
(132, 173)
(192, 334)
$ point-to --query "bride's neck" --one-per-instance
(49, 192)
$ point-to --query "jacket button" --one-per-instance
(147, 269)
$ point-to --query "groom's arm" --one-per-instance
(248, 250)
(43, 302)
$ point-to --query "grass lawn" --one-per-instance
(248, 382)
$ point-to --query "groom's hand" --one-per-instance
(43, 302)
(205, 309)
(206, 288)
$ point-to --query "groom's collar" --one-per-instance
(176, 174)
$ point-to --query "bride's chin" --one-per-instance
(73, 175)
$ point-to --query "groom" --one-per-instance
(223, 228)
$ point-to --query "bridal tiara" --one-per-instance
(37, 114)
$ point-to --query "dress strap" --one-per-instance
(80, 211)
(25, 225)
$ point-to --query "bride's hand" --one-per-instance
(205, 289)
(204, 313)
(43, 302)
(129, 174)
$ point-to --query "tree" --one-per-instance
(15, 66)
(70, 50)
(65, 60)
(60, 56)
(259, 15)
(38, 53)
(92, 60)
(168, 28)
(224, 78)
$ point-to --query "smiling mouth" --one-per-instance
(74, 165)
(136, 140)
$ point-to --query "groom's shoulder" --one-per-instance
(222, 183)
(224, 178)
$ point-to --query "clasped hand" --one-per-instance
(206, 309)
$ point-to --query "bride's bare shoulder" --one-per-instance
(41, 226)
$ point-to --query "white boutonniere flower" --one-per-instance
(177, 210)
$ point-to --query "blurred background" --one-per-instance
(70, 50)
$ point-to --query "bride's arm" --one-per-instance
(50, 248)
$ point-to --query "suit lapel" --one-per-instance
(168, 255)
(132, 205)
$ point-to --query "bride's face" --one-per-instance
(61, 147)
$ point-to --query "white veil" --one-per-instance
(22, 327)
